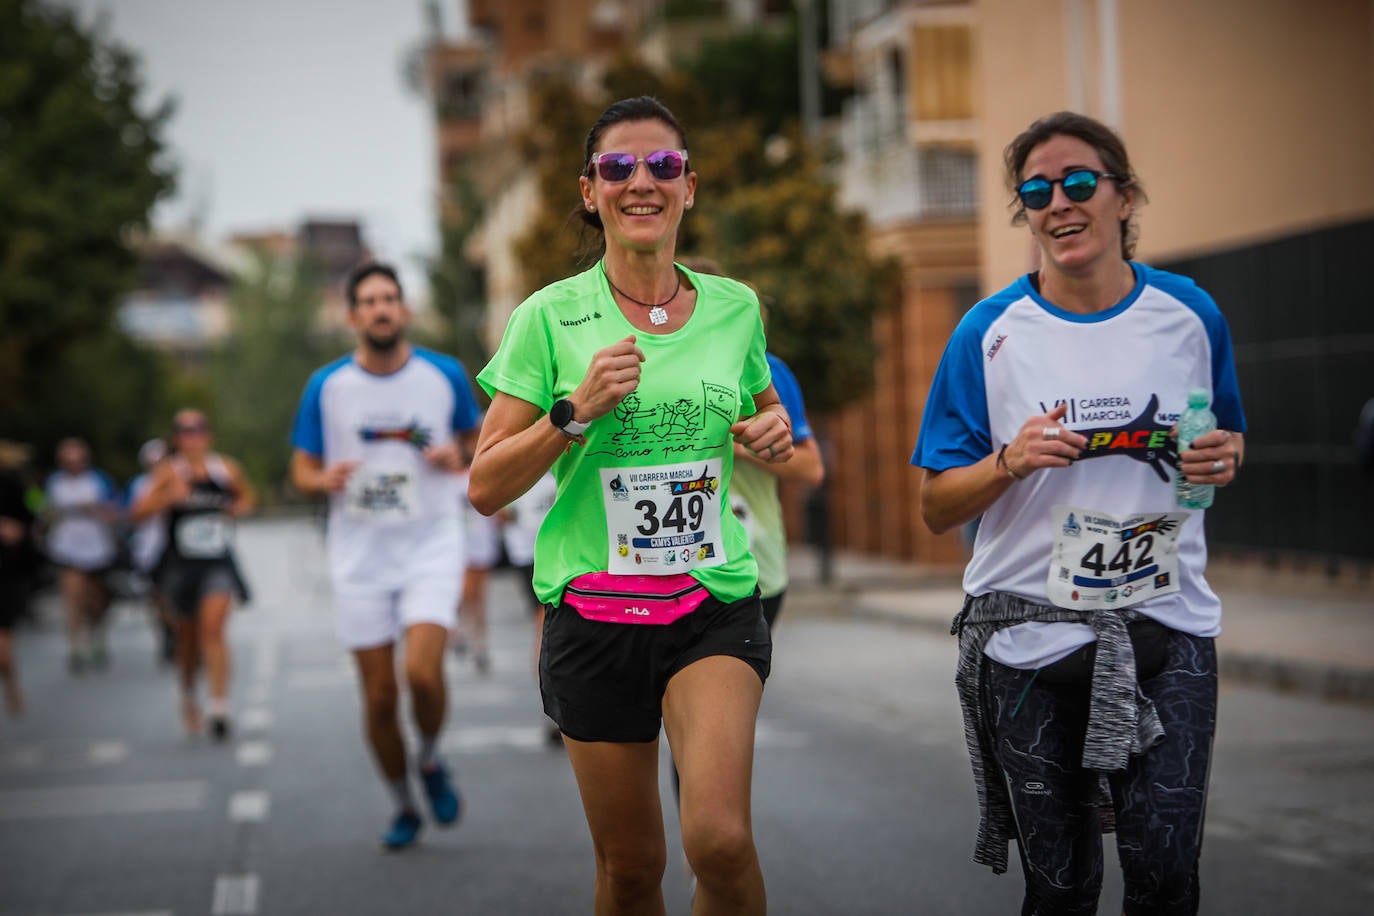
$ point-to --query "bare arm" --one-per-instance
(513, 452)
(310, 475)
(164, 490)
(958, 495)
(954, 496)
(767, 434)
(805, 466)
(245, 497)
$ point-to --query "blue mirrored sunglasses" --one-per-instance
(1079, 185)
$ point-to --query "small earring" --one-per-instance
(591, 208)
(689, 202)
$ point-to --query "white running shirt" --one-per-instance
(1125, 373)
(395, 499)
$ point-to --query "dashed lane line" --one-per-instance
(236, 894)
(249, 805)
(90, 801)
(253, 753)
(256, 719)
(480, 739)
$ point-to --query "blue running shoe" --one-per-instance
(443, 800)
(405, 828)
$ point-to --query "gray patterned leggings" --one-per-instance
(1158, 801)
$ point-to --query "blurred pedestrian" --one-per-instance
(520, 523)
(82, 507)
(481, 553)
(383, 432)
(1087, 670)
(631, 381)
(199, 494)
(754, 487)
(16, 565)
(147, 545)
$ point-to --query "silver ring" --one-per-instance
(1218, 466)
(771, 452)
(1050, 432)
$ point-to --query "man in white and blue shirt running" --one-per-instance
(383, 432)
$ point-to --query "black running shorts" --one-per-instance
(605, 681)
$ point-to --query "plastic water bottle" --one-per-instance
(1195, 421)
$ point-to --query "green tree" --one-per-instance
(260, 370)
(456, 285)
(786, 235)
(80, 168)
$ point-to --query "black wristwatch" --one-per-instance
(561, 416)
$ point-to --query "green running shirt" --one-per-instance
(694, 384)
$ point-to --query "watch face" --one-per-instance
(561, 412)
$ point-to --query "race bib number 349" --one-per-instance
(664, 519)
(1101, 561)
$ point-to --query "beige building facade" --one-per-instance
(1246, 120)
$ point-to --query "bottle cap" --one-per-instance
(1199, 397)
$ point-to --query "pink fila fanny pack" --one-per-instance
(610, 598)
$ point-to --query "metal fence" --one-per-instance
(1301, 313)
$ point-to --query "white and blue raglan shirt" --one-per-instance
(80, 537)
(1124, 373)
(395, 500)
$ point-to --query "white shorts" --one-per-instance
(369, 617)
(482, 535)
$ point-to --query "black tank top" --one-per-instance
(200, 529)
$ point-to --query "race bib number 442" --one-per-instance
(1101, 561)
(664, 519)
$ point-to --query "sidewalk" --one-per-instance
(1281, 629)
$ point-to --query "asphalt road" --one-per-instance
(863, 802)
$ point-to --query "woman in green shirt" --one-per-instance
(632, 381)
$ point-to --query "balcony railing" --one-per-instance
(891, 179)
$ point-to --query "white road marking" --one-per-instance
(1300, 857)
(22, 757)
(249, 805)
(1219, 828)
(485, 738)
(257, 718)
(320, 678)
(259, 693)
(235, 894)
(91, 801)
(481, 739)
(107, 751)
(469, 695)
(254, 753)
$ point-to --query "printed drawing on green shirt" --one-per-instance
(669, 427)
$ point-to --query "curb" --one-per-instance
(1311, 679)
(1329, 682)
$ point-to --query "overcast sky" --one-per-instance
(290, 109)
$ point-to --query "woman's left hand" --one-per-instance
(1212, 458)
(767, 434)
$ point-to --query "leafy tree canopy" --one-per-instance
(260, 370)
(80, 168)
